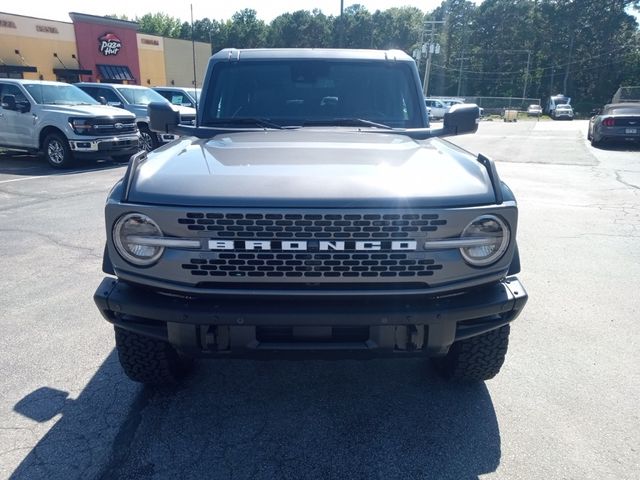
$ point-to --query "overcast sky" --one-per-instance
(219, 10)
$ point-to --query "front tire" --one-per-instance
(57, 151)
(475, 359)
(148, 139)
(150, 361)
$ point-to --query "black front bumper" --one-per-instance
(229, 326)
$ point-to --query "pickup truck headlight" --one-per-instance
(133, 234)
(82, 126)
(492, 234)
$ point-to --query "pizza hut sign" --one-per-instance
(109, 44)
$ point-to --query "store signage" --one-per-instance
(7, 24)
(109, 44)
(46, 29)
(150, 41)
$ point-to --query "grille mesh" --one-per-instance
(304, 226)
(309, 265)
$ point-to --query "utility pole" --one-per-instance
(462, 59)
(432, 27)
(341, 41)
(526, 76)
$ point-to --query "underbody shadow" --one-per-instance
(269, 419)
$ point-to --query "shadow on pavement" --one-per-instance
(244, 419)
(618, 146)
(26, 164)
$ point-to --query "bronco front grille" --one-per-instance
(304, 226)
(313, 265)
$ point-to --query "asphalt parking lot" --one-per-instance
(565, 406)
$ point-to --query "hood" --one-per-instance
(311, 167)
(88, 110)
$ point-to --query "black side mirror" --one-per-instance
(9, 102)
(163, 117)
(461, 118)
(102, 100)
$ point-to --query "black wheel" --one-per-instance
(475, 359)
(56, 150)
(148, 139)
(150, 361)
(121, 158)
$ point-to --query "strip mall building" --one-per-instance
(95, 49)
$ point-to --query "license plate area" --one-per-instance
(631, 131)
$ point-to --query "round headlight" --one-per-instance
(129, 234)
(491, 235)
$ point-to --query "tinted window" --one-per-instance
(292, 92)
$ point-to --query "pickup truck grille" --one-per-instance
(114, 126)
(308, 226)
(313, 265)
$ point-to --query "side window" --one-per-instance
(165, 94)
(110, 96)
(8, 89)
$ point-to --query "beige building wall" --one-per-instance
(151, 57)
(178, 61)
(37, 40)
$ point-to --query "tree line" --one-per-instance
(533, 48)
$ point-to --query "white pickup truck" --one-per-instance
(63, 123)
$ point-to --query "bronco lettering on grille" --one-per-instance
(314, 246)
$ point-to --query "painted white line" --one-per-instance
(74, 172)
(17, 179)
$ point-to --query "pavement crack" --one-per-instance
(87, 250)
(624, 182)
(121, 446)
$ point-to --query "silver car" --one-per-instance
(563, 111)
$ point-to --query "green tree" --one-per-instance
(300, 29)
(160, 24)
(245, 30)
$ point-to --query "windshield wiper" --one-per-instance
(347, 122)
(258, 122)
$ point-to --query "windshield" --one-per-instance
(62, 94)
(297, 92)
(623, 110)
(141, 96)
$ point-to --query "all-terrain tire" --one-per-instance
(150, 361)
(475, 359)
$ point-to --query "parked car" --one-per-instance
(562, 111)
(555, 100)
(63, 123)
(181, 96)
(438, 108)
(135, 99)
(617, 121)
(456, 101)
(534, 111)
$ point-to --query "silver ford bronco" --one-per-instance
(311, 211)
